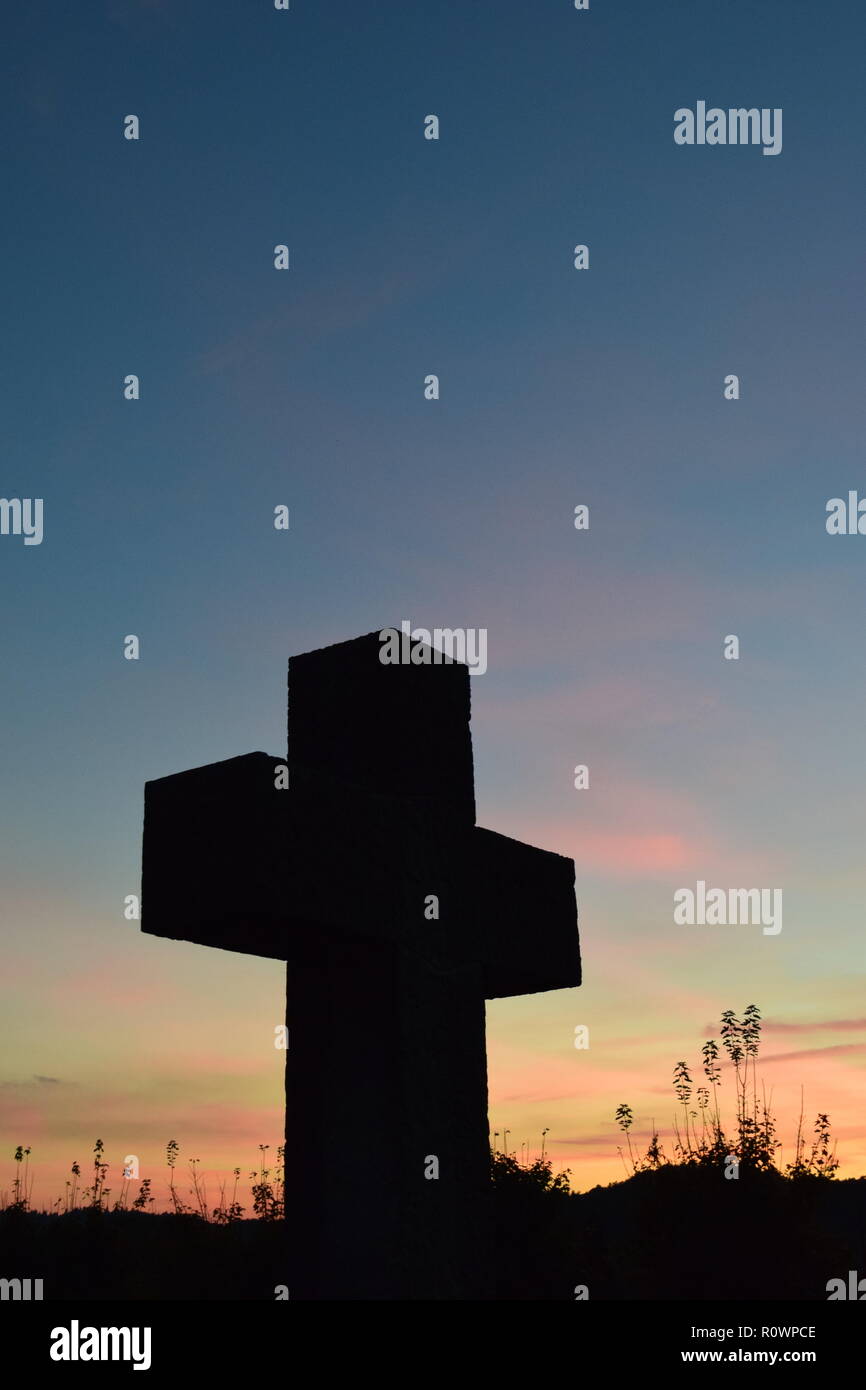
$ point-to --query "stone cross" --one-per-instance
(398, 917)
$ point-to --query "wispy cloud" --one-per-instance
(826, 1025)
(814, 1052)
(316, 315)
(37, 1080)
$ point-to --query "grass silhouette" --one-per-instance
(266, 1190)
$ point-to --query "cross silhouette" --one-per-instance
(398, 917)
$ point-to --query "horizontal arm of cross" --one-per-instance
(232, 861)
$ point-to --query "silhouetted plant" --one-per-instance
(224, 1213)
(268, 1201)
(268, 1189)
(21, 1196)
(625, 1119)
(144, 1199)
(76, 1174)
(683, 1092)
(98, 1193)
(172, 1149)
(199, 1189)
(655, 1156)
(821, 1162)
(507, 1171)
(754, 1143)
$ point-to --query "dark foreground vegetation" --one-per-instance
(678, 1232)
(718, 1217)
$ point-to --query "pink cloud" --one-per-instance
(814, 1052)
(832, 1025)
(644, 854)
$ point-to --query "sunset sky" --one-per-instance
(558, 387)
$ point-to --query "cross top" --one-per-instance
(380, 787)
